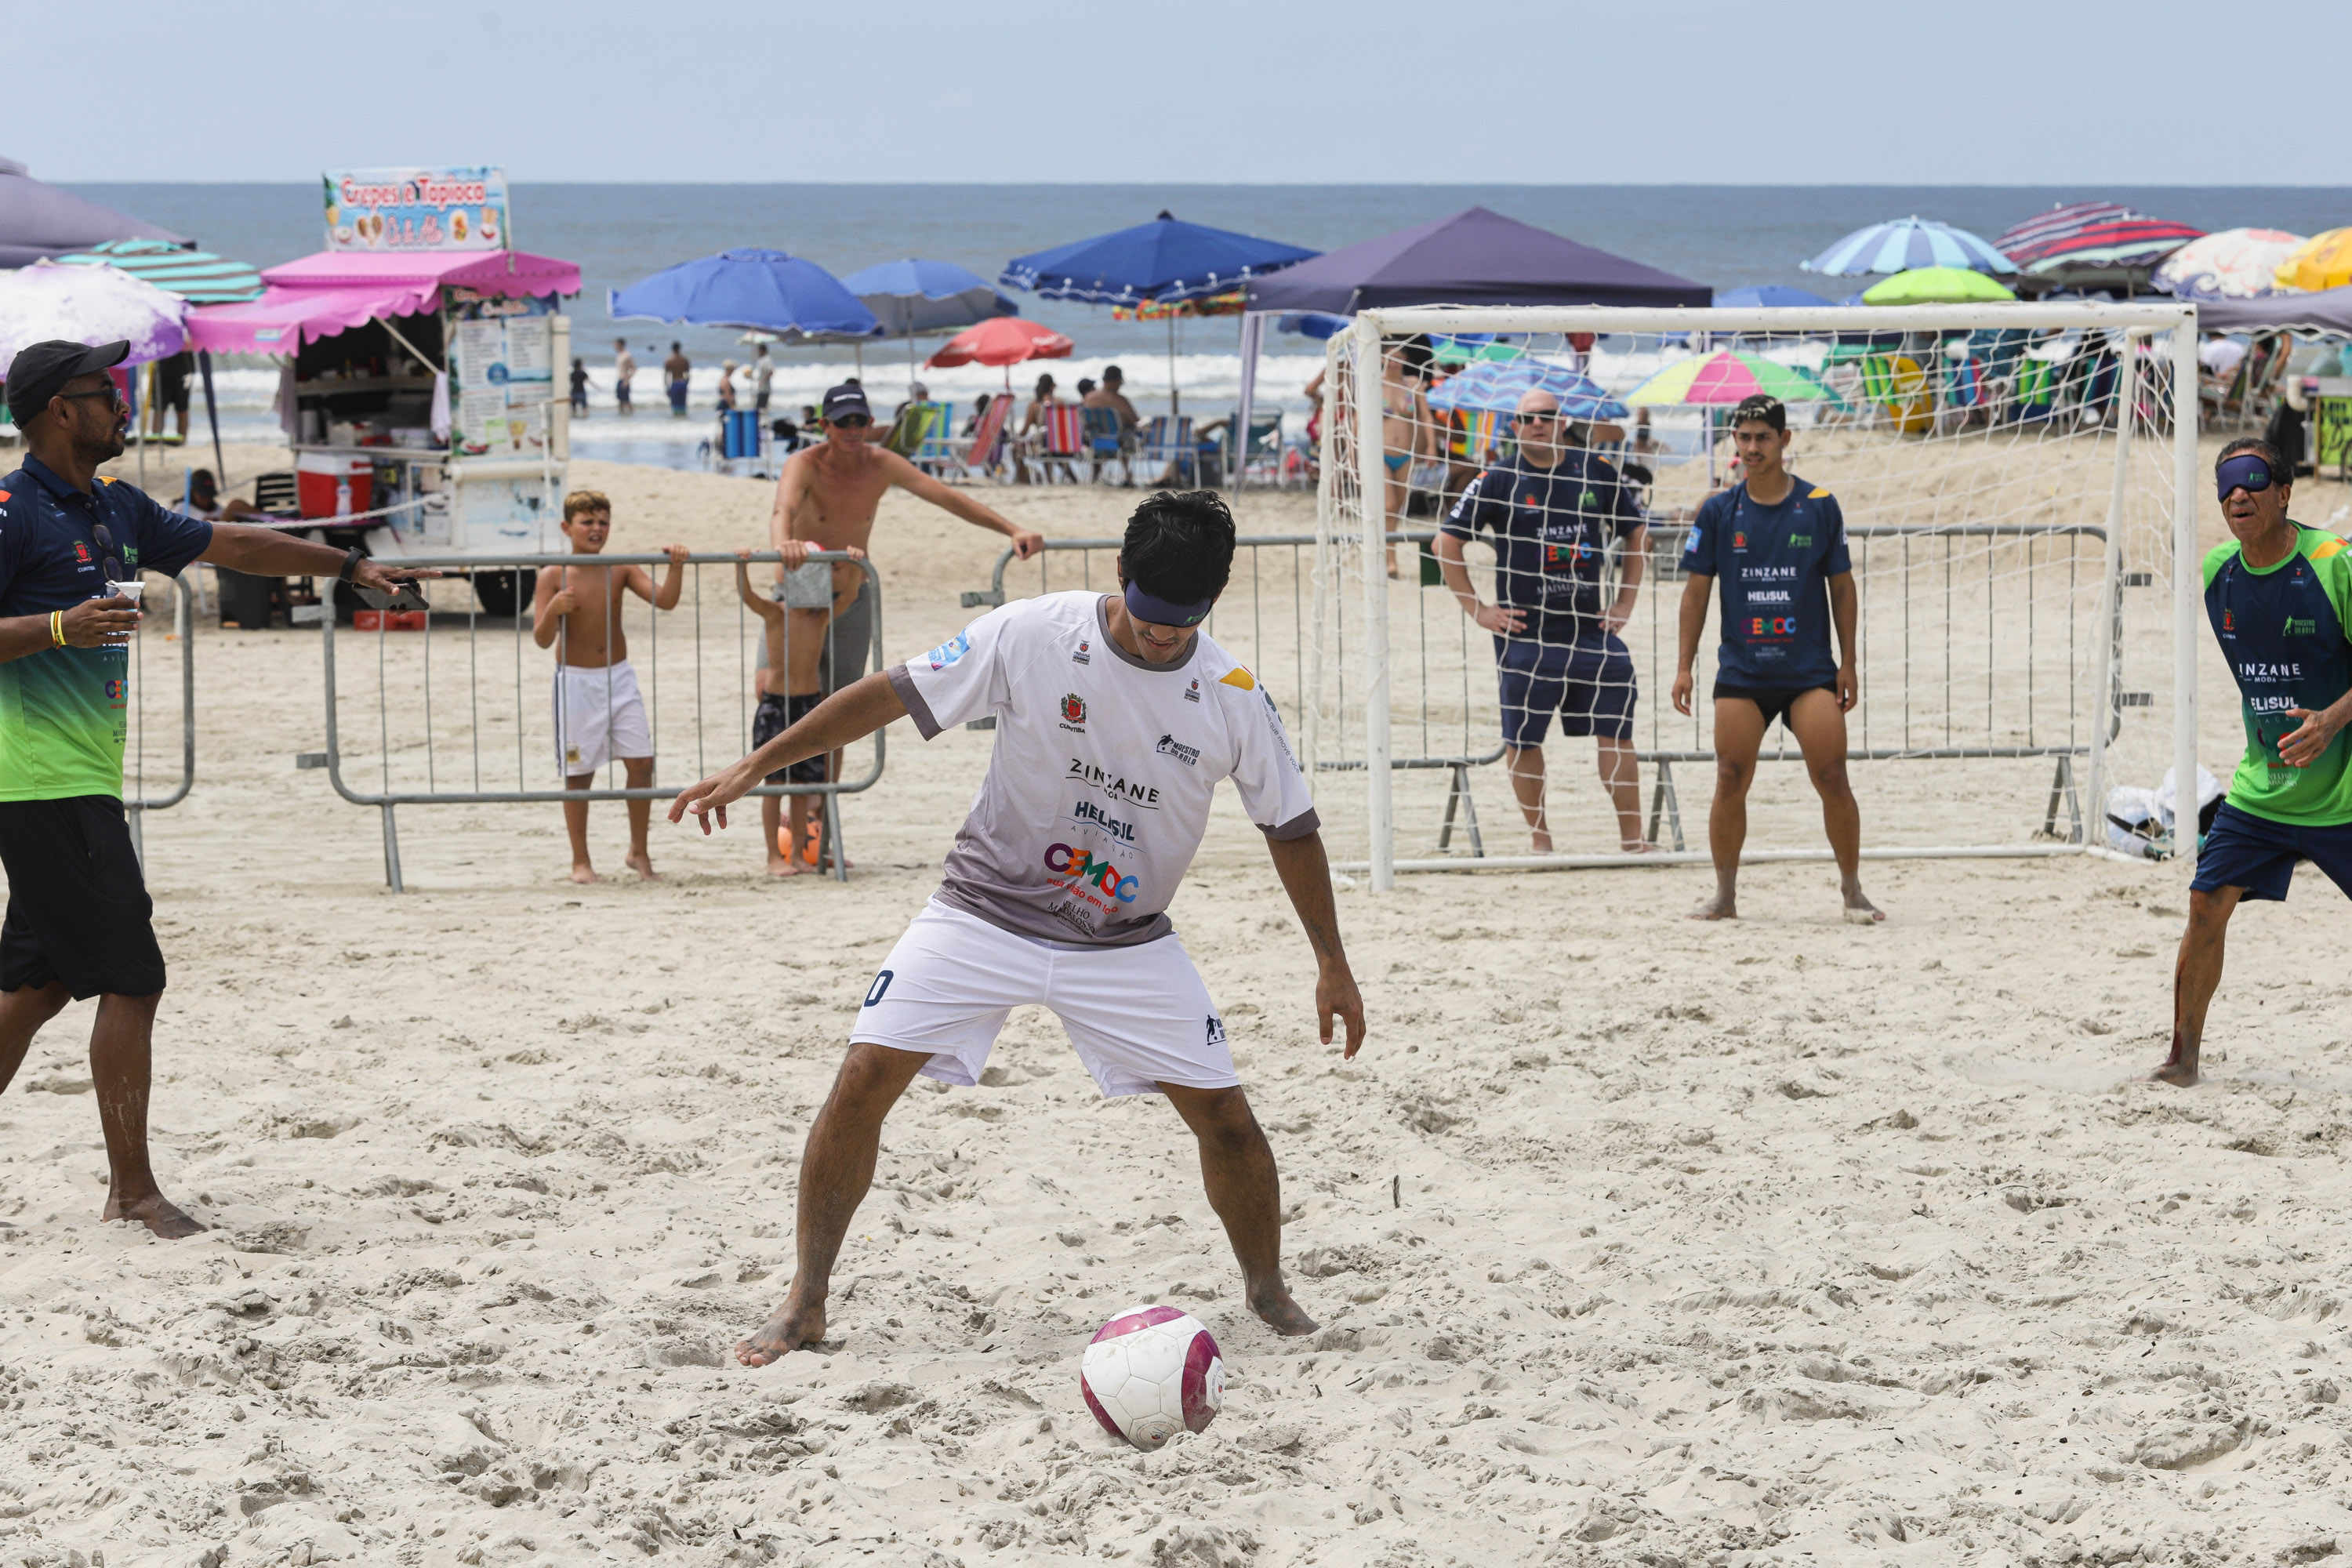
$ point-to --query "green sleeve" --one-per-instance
(2215, 559)
(2331, 561)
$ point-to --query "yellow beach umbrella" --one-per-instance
(2323, 261)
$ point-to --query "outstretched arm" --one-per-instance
(266, 553)
(850, 714)
(922, 487)
(1305, 874)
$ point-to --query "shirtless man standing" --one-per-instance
(825, 500)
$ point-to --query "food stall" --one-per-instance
(419, 372)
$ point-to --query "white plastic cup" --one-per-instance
(130, 591)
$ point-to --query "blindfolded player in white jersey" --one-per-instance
(1115, 718)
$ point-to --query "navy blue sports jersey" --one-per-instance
(1552, 529)
(1773, 565)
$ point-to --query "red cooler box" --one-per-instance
(318, 477)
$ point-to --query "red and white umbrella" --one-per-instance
(1007, 341)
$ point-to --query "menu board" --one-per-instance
(414, 209)
(502, 373)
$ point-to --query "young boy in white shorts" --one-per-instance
(1115, 718)
(599, 714)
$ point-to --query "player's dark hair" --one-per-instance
(1761, 406)
(2280, 473)
(1179, 546)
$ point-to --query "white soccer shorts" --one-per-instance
(1138, 1016)
(598, 716)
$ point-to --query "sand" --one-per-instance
(1634, 1241)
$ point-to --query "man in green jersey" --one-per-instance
(2279, 596)
(78, 924)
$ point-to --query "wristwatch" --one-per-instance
(352, 559)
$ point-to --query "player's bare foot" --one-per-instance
(793, 1327)
(1722, 907)
(583, 872)
(1282, 1315)
(782, 865)
(2180, 1069)
(642, 864)
(1637, 847)
(1539, 843)
(1859, 910)
(157, 1212)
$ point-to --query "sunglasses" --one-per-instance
(111, 393)
(851, 422)
(110, 558)
(1543, 415)
(2248, 473)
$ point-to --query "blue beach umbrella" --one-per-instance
(1165, 260)
(1901, 246)
(1496, 387)
(757, 290)
(917, 297)
(1769, 296)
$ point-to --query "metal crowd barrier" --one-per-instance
(714, 708)
(136, 801)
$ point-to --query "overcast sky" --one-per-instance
(1560, 91)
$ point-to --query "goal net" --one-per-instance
(2009, 483)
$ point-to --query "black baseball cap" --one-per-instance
(1761, 406)
(40, 371)
(847, 398)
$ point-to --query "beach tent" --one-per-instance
(38, 220)
(1167, 259)
(758, 290)
(1474, 258)
(2330, 310)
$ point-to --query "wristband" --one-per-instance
(352, 559)
(58, 627)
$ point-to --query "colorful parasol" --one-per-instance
(1005, 340)
(1912, 242)
(1230, 303)
(1496, 387)
(1934, 286)
(2323, 261)
(2090, 245)
(2233, 264)
(1723, 378)
(88, 305)
(196, 276)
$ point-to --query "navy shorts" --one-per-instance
(1588, 682)
(1772, 701)
(775, 715)
(2244, 850)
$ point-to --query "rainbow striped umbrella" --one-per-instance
(196, 276)
(1723, 378)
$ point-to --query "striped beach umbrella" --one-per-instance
(2323, 261)
(1496, 387)
(196, 276)
(2092, 244)
(1904, 244)
(2230, 264)
(1726, 378)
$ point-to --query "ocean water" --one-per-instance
(1724, 235)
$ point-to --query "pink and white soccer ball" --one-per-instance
(1150, 1371)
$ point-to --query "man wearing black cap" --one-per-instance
(71, 543)
(825, 500)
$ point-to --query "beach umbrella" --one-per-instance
(1007, 341)
(1320, 325)
(2092, 244)
(1903, 245)
(200, 278)
(88, 305)
(915, 298)
(1230, 303)
(2323, 261)
(1496, 387)
(2230, 264)
(764, 290)
(1165, 260)
(38, 220)
(1770, 296)
(1452, 349)
(1724, 379)
(1936, 286)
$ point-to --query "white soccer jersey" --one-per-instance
(1098, 792)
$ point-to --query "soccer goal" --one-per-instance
(2018, 486)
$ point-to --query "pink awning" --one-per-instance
(333, 291)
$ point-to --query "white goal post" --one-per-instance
(2018, 485)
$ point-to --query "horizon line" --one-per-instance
(1322, 185)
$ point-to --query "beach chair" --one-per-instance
(1262, 452)
(917, 423)
(1167, 443)
(942, 447)
(1066, 441)
(1103, 444)
(984, 454)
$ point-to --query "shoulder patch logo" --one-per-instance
(2333, 547)
(1238, 677)
(4, 497)
(1817, 493)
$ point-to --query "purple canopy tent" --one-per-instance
(1474, 258)
(2327, 311)
(40, 221)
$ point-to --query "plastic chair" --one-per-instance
(1168, 443)
(1104, 443)
(984, 453)
(1066, 440)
